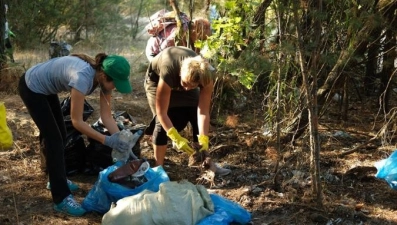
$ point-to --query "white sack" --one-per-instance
(177, 203)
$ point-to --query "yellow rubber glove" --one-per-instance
(181, 143)
(203, 141)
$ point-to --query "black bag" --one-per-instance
(65, 107)
(74, 154)
(99, 156)
(75, 148)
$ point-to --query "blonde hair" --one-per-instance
(196, 70)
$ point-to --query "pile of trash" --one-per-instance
(128, 190)
(174, 202)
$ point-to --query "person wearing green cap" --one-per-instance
(80, 75)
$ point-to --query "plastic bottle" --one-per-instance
(134, 139)
(125, 136)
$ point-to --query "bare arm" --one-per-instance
(163, 95)
(76, 114)
(203, 110)
(106, 112)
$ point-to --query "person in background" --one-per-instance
(80, 75)
(179, 86)
(163, 30)
(162, 40)
(7, 35)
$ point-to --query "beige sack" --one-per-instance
(177, 203)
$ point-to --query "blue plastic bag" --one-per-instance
(226, 212)
(97, 200)
(104, 192)
(387, 170)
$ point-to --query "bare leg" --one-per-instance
(159, 154)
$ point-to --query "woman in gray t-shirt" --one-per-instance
(80, 75)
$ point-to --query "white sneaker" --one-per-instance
(221, 171)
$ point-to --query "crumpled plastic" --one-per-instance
(104, 192)
(226, 212)
(387, 170)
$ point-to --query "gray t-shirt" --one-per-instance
(61, 75)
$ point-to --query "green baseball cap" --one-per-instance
(118, 68)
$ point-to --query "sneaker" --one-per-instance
(72, 186)
(70, 206)
(221, 171)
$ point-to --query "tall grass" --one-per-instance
(132, 50)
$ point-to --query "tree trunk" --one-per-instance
(136, 26)
(372, 62)
(335, 78)
(259, 17)
(311, 98)
(3, 57)
(388, 58)
(179, 28)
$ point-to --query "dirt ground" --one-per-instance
(351, 193)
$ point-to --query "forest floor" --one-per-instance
(351, 192)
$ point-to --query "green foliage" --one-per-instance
(245, 77)
(228, 39)
(71, 21)
(259, 58)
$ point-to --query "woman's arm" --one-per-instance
(203, 110)
(106, 112)
(163, 95)
(76, 114)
